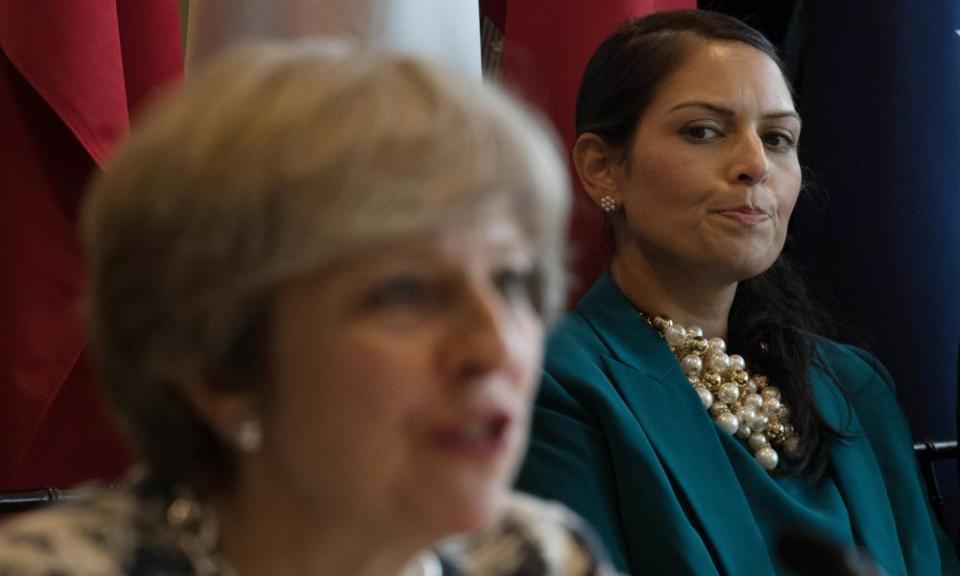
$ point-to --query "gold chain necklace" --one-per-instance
(741, 404)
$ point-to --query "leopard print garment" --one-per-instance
(114, 532)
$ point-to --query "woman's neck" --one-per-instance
(262, 534)
(686, 297)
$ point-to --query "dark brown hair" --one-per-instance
(625, 72)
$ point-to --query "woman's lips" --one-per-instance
(746, 215)
(475, 437)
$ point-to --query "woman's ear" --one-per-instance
(232, 414)
(599, 167)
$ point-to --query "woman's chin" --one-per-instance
(742, 263)
(469, 511)
(468, 495)
(751, 271)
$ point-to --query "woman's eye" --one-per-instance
(700, 133)
(780, 141)
(400, 291)
(516, 283)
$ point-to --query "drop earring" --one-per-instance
(247, 435)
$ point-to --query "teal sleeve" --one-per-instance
(568, 460)
(949, 565)
(889, 434)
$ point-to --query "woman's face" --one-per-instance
(712, 176)
(402, 380)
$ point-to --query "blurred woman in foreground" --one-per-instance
(318, 289)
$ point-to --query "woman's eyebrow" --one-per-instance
(728, 112)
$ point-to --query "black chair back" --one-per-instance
(928, 453)
(29, 499)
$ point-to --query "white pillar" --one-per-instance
(447, 31)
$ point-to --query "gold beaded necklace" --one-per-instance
(741, 404)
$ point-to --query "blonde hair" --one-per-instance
(273, 162)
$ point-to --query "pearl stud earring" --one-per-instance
(608, 204)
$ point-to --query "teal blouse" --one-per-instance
(620, 436)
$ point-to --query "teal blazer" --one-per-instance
(620, 436)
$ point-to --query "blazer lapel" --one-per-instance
(649, 379)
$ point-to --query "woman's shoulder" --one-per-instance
(574, 345)
(572, 331)
(855, 369)
(94, 528)
(533, 537)
(854, 380)
(102, 531)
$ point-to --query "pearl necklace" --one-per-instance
(743, 405)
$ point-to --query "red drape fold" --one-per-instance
(547, 45)
(71, 72)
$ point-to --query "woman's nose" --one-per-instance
(481, 335)
(750, 164)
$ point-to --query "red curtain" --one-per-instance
(547, 45)
(71, 73)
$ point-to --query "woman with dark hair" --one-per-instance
(690, 410)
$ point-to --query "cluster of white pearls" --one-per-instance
(741, 404)
(608, 204)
